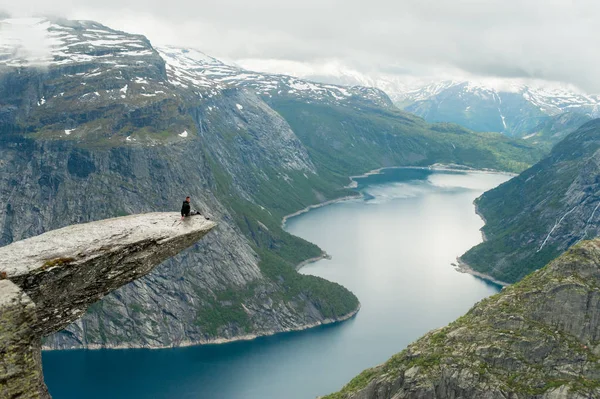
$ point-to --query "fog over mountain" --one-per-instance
(408, 40)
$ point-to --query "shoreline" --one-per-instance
(463, 267)
(484, 238)
(353, 183)
(463, 168)
(217, 341)
(316, 206)
(324, 255)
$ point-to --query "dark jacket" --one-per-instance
(185, 209)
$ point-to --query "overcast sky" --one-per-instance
(555, 40)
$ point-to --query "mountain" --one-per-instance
(556, 128)
(542, 212)
(539, 338)
(99, 131)
(102, 124)
(510, 106)
(513, 111)
(192, 68)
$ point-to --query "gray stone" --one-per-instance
(20, 361)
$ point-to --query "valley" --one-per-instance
(153, 134)
(381, 247)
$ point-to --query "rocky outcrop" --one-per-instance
(48, 281)
(537, 339)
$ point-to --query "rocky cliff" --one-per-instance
(534, 217)
(539, 338)
(48, 281)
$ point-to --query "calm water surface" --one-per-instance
(393, 249)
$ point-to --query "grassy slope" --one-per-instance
(520, 213)
(344, 141)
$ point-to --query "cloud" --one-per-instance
(26, 41)
(535, 39)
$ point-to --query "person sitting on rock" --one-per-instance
(186, 209)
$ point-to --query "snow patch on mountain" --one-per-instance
(43, 42)
(196, 70)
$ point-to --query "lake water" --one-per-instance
(393, 248)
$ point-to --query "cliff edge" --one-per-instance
(48, 281)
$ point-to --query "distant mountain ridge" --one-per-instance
(511, 106)
(189, 67)
(513, 111)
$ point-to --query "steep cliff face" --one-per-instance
(542, 212)
(48, 281)
(539, 338)
(111, 127)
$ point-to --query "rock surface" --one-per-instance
(51, 279)
(20, 363)
(537, 339)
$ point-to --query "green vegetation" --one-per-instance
(345, 141)
(278, 250)
(332, 300)
(356, 384)
(136, 308)
(215, 316)
(521, 213)
(104, 126)
(555, 128)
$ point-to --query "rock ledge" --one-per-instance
(48, 281)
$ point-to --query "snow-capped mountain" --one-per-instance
(511, 106)
(550, 101)
(514, 109)
(93, 51)
(43, 42)
(192, 68)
